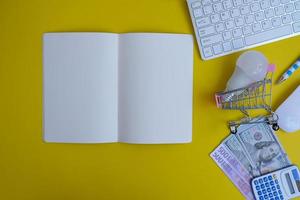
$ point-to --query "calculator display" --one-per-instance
(289, 182)
(297, 178)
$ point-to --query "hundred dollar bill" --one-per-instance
(235, 147)
(243, 186)
(262, 148)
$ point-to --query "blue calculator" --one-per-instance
(278, 185)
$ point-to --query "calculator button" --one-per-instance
(272, 199)
(281, 197)
(259, 193)
(270, 177)
(264, 191)
(255, 182)
(270, 195)
(269, 189)
(257, 187)
(278, 187)
(261, 198)
(279, 192)
(273, 188)
(267, 184)
(276, 181)
(260, 180)
(265, 179)
(272, 182)
(276, 198)
(266, 196)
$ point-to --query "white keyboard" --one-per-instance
(226, 26)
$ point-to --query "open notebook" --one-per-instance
(106, 87)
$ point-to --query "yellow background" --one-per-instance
(31, 169)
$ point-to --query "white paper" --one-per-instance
(155, 88)
(80, 87)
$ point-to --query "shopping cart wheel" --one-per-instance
(233, 129)
(275, 127)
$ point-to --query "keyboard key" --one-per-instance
(245, 10)
(262, 186)
(239, 21)
(207, 9)
(276, 198)
(227, 4)
(205, 2)
(296, 27)
(198, 12)
(229, 24)
(266, 24)
(259, 16)
(255, 7)
(264, 191)
(208, 30)
(247, 30)
(267, 184)
(235, 12)
(273, 188)
(275, 193)
(296, 16)
(279, 10)
(289, 8)
(268, 190)
(238, 43)
(249, 19)
(256, 27)
(255, 182)
(218, 7)
(275, 2)
(276, 21)
(207, 52)
(217, 49)
(237, 32)
(201, 22)
(227, 35)
(227, 46)
(237, 2)
(225, 15)
(259, 193)
(220, 27)
(265, 4)
(207, 41)
(270, 177)
(285, 20)
(269, 35)
(266, 196)
(272, 183)
(269, 13)
(215, 18)
(196, 4)
(297, 5)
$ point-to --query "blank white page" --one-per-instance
(80, 87)
(155, 88)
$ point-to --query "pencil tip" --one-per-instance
(280, 80)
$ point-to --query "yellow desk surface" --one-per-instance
(33, 170)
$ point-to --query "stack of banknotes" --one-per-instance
(253, 151)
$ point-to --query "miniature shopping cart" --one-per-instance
(257, 95)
